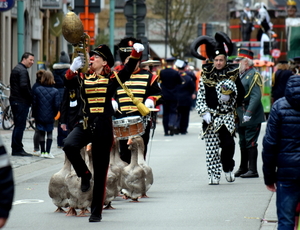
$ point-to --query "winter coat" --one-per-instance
(6, 183)
(281, 78)
(59, 71)
(281, 143)
(45, 106)
(20, 88)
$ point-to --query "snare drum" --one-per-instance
(127, 127)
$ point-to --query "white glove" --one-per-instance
(207, 117)
(149, 103)
(246, 118)
(138, 47)
(114, 105)
(77, 63)
(225, 97)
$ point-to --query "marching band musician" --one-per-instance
(220, 91)
(97, 87)
(144, 86)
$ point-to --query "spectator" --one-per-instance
(20, 100)
(44, 108)
(7, 187)
(281, 153)
(281, 77)
(59, 71)
(36, 137)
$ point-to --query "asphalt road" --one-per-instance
(179, 199)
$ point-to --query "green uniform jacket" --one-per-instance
(252, 106)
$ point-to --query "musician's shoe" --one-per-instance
(95, 218)
(85, 181)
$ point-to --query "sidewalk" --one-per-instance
(28, 147)
(270, 216)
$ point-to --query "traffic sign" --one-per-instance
(135, 10)
(275, 53)
(135, 29)
(6, 5)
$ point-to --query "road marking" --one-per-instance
(27, 201)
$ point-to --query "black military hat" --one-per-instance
(283, 62)
(105, 53)
(170, 59)
(296, 59)
(245, 53)
(126, 46)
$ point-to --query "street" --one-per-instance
(180, 197)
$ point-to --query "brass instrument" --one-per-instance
(73, 32)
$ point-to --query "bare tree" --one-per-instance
(182, 18)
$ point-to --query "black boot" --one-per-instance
(85, 181)
(252, 155)
(244, 163)
(95, 218)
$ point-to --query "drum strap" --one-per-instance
(141, 107)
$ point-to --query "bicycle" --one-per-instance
(7, 116)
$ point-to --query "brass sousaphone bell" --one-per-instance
(73, 32)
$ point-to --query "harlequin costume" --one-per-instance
(219, 133)
(95, 125)
(144, 86)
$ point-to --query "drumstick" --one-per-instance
(119, 111)
(132, 111)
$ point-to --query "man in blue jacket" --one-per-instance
(281, 153)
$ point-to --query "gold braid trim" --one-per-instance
(256, 80)
(210, 78)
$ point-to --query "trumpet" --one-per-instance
(73, 32)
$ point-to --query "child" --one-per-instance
(44, 108)
(36, 138)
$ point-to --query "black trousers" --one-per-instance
(228, 147)
(20, 112)
(101, 138)
(169, 115)
(183, 118)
